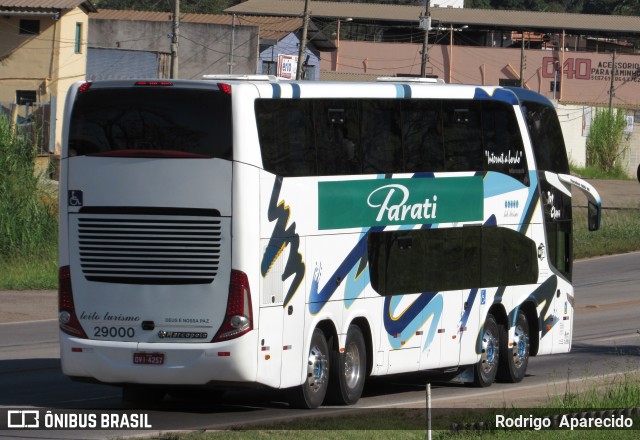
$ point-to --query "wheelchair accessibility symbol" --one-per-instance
(75, 198)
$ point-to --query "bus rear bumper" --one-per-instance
(182, 363)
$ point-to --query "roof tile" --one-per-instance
(489, 18)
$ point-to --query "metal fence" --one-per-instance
(31, 120)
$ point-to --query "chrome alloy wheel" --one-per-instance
(317, 369)
(490, 349)
(520, 346)
(352, 365)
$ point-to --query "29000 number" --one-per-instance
(113, 332)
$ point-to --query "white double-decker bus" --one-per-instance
(307, 235)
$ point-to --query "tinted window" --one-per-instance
(546, 137)
(462, 135)
(336, 129)
(560, 242)
(164, 120)
(503, 147)
(557, 217)
(292, 148)
(381, 142)
(380, 136)
(433, 260)
(423, 143)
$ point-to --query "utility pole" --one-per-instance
(233, 43)
(425, 42)
(522, 61)
(174, 39)
(303, 39)
(612, 90)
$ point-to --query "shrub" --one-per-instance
(605, 141)
(27, 225)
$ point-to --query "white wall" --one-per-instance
(447, 3)
(574, 119)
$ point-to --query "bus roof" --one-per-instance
(528, 95)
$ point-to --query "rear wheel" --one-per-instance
(349, 369)
(515, 359)
(487, 368)
(312, 392)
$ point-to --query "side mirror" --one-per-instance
(593, 217)
(594, 211)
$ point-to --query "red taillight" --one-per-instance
(238, 319)
(154, 83)
(84, 87)
(66, 310)
(226, 88)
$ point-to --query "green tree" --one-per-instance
(519, 5)
(604, 7)
(570, 6)
(627, 7)
(605, 144)
(477, 4)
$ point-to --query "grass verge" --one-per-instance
(593, 172)
(619, 233)
(33, 272)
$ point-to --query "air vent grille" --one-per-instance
(149, 250)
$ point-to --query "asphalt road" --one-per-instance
(606, 341)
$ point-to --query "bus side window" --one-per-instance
(286, 138)
(441, 259)
(337, 134)
(462, 136)
(422, 136)
(382, 150)
(503, 148)
(559, 241)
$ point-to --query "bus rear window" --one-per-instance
(165, 122)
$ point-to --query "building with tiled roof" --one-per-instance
(487, 19)
(42, 50)
(204, 46)
(270, 27)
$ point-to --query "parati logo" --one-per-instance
(394, 202)
(398, 209)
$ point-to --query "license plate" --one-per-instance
(148, 358)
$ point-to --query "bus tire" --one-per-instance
(514, 359)
(312, 392)
(349, 369)
(487, 368)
